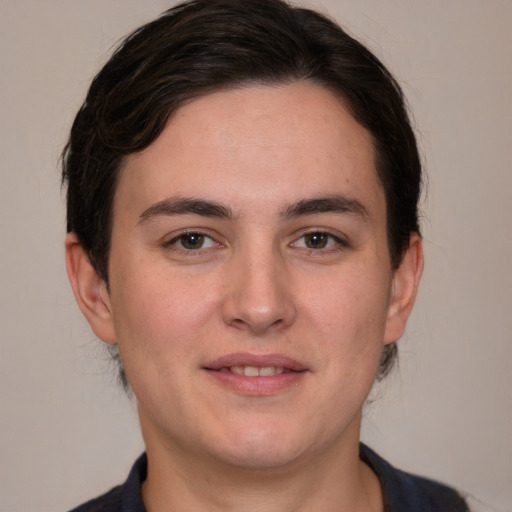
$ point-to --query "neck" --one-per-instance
(331, 481)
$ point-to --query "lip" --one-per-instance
(247, 359)
(294, 371)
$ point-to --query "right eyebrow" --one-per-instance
(184, 206)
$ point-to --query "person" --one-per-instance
(242, 214)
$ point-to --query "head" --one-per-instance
(206, 46)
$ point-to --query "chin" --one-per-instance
(255, 458)
(263, 447)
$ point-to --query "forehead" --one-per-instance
(278, 141)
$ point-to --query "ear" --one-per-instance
(404, 287)
(90, 290)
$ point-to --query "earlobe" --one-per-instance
(404, 287)
(90, 290)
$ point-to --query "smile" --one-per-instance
(257, 374)
(255, 365)
(254, 371)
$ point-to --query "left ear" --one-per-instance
(404, 287)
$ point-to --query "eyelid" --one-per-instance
(170, 242)
(341, 240)
(336, 241)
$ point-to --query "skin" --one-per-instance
(270, 278)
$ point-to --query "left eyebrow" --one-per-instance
(331, 204)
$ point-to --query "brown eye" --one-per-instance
(191, 241)
(319, 240)
(316, 240)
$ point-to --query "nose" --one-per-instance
(260, 294)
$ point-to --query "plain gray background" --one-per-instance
(68, 434)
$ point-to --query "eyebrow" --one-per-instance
(330, 204)
(184, 206)
(206, 208)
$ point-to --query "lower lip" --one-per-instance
(257, 386)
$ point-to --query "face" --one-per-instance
(251, 291)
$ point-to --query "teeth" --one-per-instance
(251, 371)
(254, 371)
(267, 371)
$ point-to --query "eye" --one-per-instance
(318, 240)
(193, 241)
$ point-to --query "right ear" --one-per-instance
(90, 290)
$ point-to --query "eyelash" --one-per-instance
(332, 243)
(174, 243)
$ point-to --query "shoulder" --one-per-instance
(406, 492)
(109, 502)
(123, 498)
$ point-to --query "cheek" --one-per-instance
(350, 304)
(160, 318)
(348, 319)
(159, 324)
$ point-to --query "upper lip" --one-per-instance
(259, 361)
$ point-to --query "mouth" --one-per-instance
(254, 365)
(256, 374)
(254, 371)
